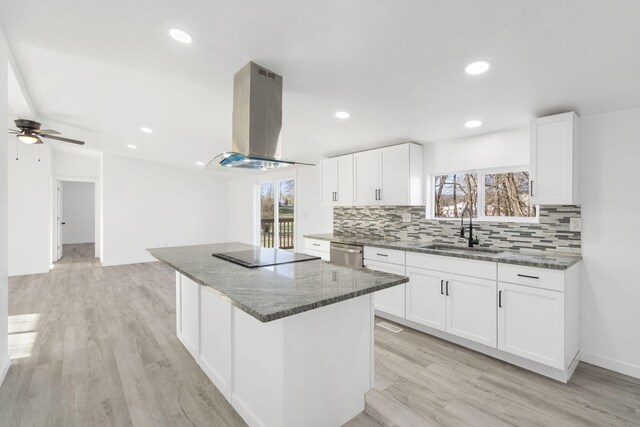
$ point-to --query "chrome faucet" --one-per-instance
(472, 240)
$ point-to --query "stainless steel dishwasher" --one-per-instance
(348, 255)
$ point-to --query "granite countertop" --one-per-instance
(271, 293)
(551, 260)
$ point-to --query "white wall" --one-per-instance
(147, 205)
(78, 212)
(310, 216)
(29, 208)
(4, 354)
(610, 274)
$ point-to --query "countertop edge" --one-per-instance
(265, 318)
(479, 256)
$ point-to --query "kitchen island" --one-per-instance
(287, 345)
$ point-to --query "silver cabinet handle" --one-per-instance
(441, 287)
(382, 254)
(379, 193)
(531, 187)
(447, 288)
(316, 244)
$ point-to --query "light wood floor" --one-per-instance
(97, 346)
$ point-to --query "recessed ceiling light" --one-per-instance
(200, 163)
(478, 67)
(181, 36)
(132, 146)
(473, 124)
(343, 115)
(146, 129)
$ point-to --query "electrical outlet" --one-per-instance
(406, 217)
(575, 224)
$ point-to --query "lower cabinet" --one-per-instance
(459, 305)
(426, 300)
(188, 316)
(531, 323)
(391, 300)
(471, 308)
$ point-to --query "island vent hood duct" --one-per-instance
(257, 121)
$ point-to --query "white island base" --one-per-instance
(309, 369)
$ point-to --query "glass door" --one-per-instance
(277, 214)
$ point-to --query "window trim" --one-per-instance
(481, 196)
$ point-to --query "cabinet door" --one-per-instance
(367, 177)
(215, 339)
(395, 175)
(189, 332)
(531, 323)
(391, 300)
(425, 297)
(551, 158)
(345, 180)
(471, 308)
(329, 181)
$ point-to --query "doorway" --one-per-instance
(277, 214)
(75, 220)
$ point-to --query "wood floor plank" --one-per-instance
(97, 345)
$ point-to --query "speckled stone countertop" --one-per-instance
(271, 293)
(549, 260)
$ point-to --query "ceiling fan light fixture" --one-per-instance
(29, 139)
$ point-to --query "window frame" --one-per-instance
(481, 196)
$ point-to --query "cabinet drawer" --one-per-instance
(447, 264)
(384, 255)
(323, 255)
(531, 276)
(317, 245)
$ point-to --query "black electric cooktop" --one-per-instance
(263, 257)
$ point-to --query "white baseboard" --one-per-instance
(126, 261)
(28, 272)
(4, 369)
(611, 364)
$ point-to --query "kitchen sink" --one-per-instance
(451, 248)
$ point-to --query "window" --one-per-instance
(490, 195)
(454, 192)
(277, 219)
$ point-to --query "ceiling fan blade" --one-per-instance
(46, 132)
(14, 131)
(59, 138)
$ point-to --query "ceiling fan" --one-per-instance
(30, 133)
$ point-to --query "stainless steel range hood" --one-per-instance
(257, 121)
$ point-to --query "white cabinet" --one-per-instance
(531, 323)
(390, 300)
(426, 298)
(389, 176)
(459, 305)
(215, 339)
(336, 178)
(554, 160)
(315, 247)
(471, 308)
(188, 315)
(367, 177)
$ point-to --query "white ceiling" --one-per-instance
(100, 69)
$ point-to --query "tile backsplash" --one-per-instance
(550, 234)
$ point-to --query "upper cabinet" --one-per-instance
(337, 181)
(554, 160)
(389, 176)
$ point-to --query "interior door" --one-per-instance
(471, 308)
(395, 175)
(60, 222)
(425, 297)
(531, 323)
(367, 176)
(391, 300)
